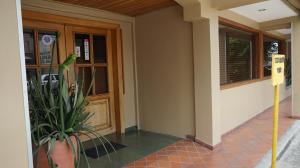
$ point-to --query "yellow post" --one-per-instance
(277, 79)
(275, 125)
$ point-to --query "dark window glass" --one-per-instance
(85, 75)
(29, 47)
(101, 80)
(271, 46)
(99, 45)
(47, 45)
(31, 74)
(237, 55)
(82, 48)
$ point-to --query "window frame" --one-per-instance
(259, 39)
(92, 65)
(36, 27)
(256, 55)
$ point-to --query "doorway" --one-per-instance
(98, 48)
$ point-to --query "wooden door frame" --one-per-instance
(117, 53)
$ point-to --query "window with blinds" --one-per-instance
(237, 55)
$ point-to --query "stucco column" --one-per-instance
(207, 82)
(296, 67)
(15, 143)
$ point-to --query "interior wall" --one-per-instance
(240, 104)
(165, 72)
(130, 105)
(15, 141)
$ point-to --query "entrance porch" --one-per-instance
(191, 77)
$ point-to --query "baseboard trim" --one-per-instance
(295, 117)
(131, 129)
(210, 147)
(198, 141)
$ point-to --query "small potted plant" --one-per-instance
(58, 118)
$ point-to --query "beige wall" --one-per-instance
(242, 103)
(165, 72)
(154, 32)
(127, 26)
(15, 143)
(206, 80)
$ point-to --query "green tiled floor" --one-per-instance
(139, 144)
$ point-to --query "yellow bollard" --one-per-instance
(277, 79)
(275, 125)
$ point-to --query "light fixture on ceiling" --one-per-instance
(262, 10)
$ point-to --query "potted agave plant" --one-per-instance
(58, 119)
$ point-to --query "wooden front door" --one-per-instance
(94, 50)
(98, 46)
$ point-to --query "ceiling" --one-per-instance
(265, 11)
(126, 7)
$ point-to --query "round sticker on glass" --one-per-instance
(47, 40)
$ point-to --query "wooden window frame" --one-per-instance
(256, 55)
(92, 65)
(259, 37)
(36, 27)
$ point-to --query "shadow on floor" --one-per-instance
(139, 144)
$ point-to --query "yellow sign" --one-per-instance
(277, 69)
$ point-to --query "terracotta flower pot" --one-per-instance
(62, 155)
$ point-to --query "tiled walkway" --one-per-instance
(242, 148)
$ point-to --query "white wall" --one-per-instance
(242, 103)
(165, 72)
(15, 142)
(127, 26)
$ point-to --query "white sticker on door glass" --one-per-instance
(77, 51)
(86, 49)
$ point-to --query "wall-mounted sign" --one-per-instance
(86, 49)
(278, 69)
(47, 40)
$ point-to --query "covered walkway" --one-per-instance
(241, 148)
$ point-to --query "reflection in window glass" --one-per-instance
(31, 76)
(45, 77)
(101, 80)
(46, 44)
(29, 47)
(85, 75)
(99, 45)
(271, 46)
